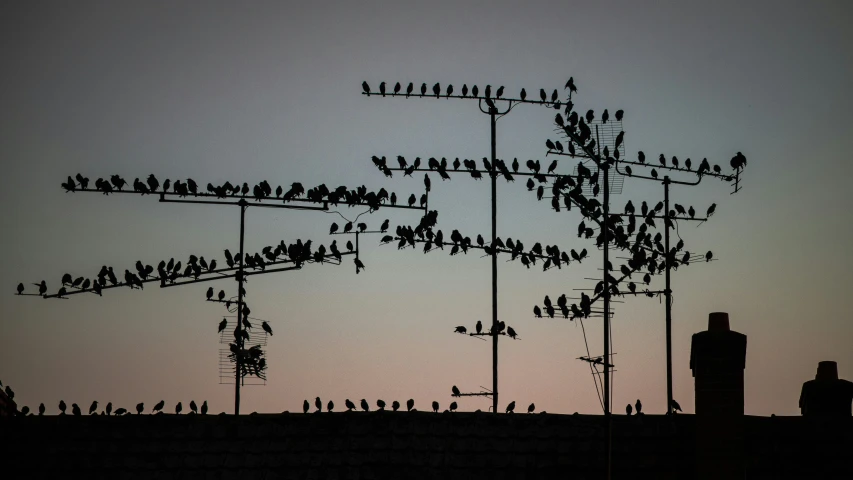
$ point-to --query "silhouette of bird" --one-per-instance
(41, 409)
(523, 94)
(120, 411)
(543, 95)
(479, 326)
(711, 210)
(537, 311)
(605, 116)
(331, 405)
(455, 391)
(204, 408)
(675, 406)
(531, 408)
(305, 406)
(395, 405)
(364, 405)
(193, 406)
(139, 408)
(20, 288)
(178, 408)
(75, 410)
(553, 166)
(412, 200)
(436, 89)
(435, 406)
(93, 408)
(349, 404)
(382, 88)
(159, 406)
(358, 265)
(619, 114)
(333, 228)
(84, 182)
(62, 407)
(512, 334)
(738, 161)
(461, 329)
(453, 405)
(709, 256)
(381, 404)
(210, 293)
(410, 404)
(266, 327)
(366, 88)
(69, 185)
(464, 89)
(571, 85)
(409, 89)
(362, 227)
(474, 91)
(628, 409)
(638, 407)
(449, 91)
(319, 404)
(222, 325)
(423, 89)
(554, 96)
(511, 407)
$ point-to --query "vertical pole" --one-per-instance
(492, 112)
(603, 165)
(239, 340)
(668, 294)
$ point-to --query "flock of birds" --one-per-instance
(108, 409)
(432, 240)
(395, 405)
(196, 266)
(443, 168)
(306, 406)
(447, 92)
(500, 329)
(260, 191)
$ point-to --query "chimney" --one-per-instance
(826, 395)
(718, 359)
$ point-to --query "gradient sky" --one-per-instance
(271, 90)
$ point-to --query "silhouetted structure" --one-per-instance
(718, 359)
(826, 395)
(718, 442)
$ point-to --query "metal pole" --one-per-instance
(668, 294)
(239, 339)
(492, 112)
(603, 165)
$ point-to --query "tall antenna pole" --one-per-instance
(604, 165)
(668, 293)
(494, 179)
(239, 339)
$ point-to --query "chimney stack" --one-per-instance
(826, 395)
(718, 359)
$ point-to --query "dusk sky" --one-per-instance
(247, 91)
